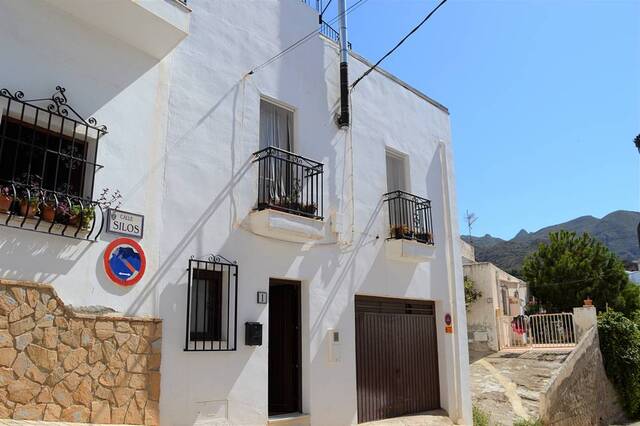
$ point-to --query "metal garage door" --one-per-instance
(396, 357)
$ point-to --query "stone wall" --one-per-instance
(57, 364)
(581, 393)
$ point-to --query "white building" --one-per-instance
(502, 297)
(184, 120)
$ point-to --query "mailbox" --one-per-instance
(253, 334)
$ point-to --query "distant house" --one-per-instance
(502, 295)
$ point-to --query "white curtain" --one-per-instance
(276, 129)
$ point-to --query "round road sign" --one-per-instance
(124, 261)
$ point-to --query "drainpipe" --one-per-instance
(343, 117)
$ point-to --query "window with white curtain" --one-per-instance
(396, 172)
(276, 126)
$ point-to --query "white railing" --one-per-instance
(537, 331)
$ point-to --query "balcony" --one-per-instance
(23, 207)
(410, 227)
(152, 26)
(290, 200)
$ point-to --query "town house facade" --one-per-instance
(294, 268)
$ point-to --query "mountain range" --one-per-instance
(617, 230)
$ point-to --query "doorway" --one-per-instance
(284, 347)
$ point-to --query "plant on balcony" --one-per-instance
(48, 209)
(30, 201)
(63, 213)
(82, 216)
(424, 237)
(29, 206)
(290, 202)
(6, 198)
(400, 232)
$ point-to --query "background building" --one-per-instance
(502, 295)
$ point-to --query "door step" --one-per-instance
(292, 419)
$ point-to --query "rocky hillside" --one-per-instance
(617, 230)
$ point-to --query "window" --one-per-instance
(211, 305)
(43, 148)
(47, 166)
(396, 172)
(37, 157)
(206, 305)
(276, 126)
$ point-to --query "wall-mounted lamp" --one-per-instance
(263, 298)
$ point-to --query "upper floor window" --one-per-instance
(286, 181)
(276, 126)
(396, 172)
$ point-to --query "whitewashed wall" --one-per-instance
(182, 131)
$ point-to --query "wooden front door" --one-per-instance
(284, 347)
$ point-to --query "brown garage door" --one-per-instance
(396, 357)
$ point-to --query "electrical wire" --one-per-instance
(325, 8)
(304, 39)
(399, 44)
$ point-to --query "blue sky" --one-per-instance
(544, 99)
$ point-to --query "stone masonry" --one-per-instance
(60, 365)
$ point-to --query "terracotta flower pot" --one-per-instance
(48, 213)
(5, 203)
(588, 302)
(74, 220)
(28, 209)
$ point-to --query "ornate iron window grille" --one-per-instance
(409, 217)
(212, 305)
(289, 183)
(47, 166)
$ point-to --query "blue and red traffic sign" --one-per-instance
(124, 261)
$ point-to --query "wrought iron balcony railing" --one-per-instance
(325, 29)
(289, 183)
(26, 207)
(409, 217)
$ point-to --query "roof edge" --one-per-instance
(402, 83)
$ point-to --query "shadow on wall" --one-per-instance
(88, 63)
(173, 300)
(53, 256)
(90, 66)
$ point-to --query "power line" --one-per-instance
(399, 44)
(304, 39)
(325, 8)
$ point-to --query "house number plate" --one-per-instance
(125, 223)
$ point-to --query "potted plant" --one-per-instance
(424, 237)
(48, 209)
(400, 232)
(80, 216)
(29, 205)
(310, 209)
(63, 213)
(30, 201)
(6, 198)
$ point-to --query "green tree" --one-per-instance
(570, 268)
